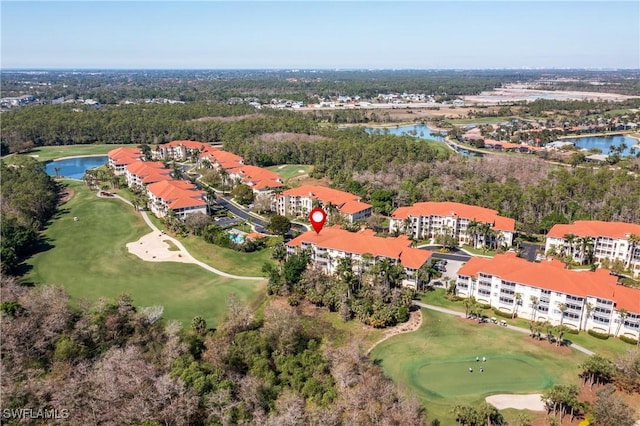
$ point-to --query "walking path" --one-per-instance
(510, 327)
(156, 247)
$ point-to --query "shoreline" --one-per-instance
(72, 157)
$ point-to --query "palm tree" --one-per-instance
(516, 302)
(469, 304)
(586, 249)
(634, 243)
(563, 308)
(571, 240)
(623, 313)
(589, 307)
(484, 229)
(534, 305)
(472, 231)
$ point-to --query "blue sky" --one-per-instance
(320, 34)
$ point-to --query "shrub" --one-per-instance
(572, 330)
(629, 340)
(602, 336)
(485, 306)
(500, 313)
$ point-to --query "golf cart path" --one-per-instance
(510, 327)
(153, 247)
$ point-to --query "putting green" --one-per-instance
(451, 378)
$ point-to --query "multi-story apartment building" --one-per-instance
(180, 150)
(299, 202)
(364, 248)
(141, 173)
(120, 158)
(429, 219)
(598, 240)
(547, 291)
(261, 181)
(181, 196)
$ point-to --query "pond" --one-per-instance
(421, 131)
(603, 143)
(74, 168)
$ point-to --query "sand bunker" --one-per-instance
(531, 402)
(153, 248)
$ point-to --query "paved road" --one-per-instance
(529, 250)
(510, 327)
(458, 255)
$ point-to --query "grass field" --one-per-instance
(227, 260)
(89, 258)
(610, 348)
(288, 171)
(47, 153)
(481, 120)
(433, 363)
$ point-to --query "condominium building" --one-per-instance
(180, 196)
(299, 202)
(364, 248)
(429, 219)
(120, 158)
(547, 291)
(141, 173)
(598, 240)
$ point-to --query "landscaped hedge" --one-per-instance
(500, 313)
(572, 330)
(485, 306)
(603, 336)
(629, 340)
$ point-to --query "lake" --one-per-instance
(74, 167)
(604, 142)
(421, 131)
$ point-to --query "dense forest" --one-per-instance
(29, 198)
(113, 86)
(109, 363)
(404, 168)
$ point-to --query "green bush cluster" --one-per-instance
(629, 340)
(602, 336)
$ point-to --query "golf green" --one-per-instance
(452, 378)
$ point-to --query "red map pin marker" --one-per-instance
(317, 217)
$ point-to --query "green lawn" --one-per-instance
(46, 153)
(89, 258)
(609, 348)
(227, 260)
(287, 171)
(433, 363)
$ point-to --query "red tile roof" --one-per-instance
(363, 242)
(186, 144)
(445, 209)
(177, 193)
(595, 228)
(124, 155)
(551, 275)
(345, 202)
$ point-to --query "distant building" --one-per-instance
(299, 202)
(429, 219)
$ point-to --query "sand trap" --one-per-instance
(531, 402)
(281, 167)
(153, 248)
(300, 171)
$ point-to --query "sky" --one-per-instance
(319, 34)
